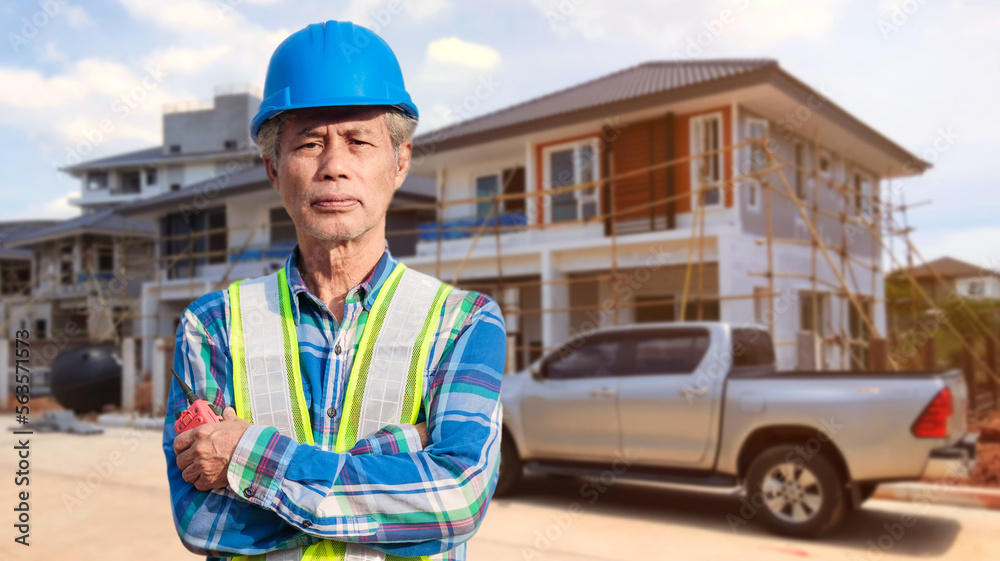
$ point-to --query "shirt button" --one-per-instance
(331, 412)
(337, 349)
(248, 492)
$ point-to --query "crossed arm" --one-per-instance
(388, 492)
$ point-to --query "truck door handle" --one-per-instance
(697, 392)
(603, 392)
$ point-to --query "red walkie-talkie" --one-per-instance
(200, 412)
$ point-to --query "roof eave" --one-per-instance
(801, 91)
(721, 85)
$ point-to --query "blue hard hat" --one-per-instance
(330, 64)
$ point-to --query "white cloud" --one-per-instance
(187, 61)
(57, 209)
(670, 26)
(182, 15)
(379, 14)
(51, 53)
(452, 50)
(77, 17)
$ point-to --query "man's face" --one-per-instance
(336, 171)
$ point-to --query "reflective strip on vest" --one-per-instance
(386, 380)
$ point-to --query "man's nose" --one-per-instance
(333, 162)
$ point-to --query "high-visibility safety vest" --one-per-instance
(385, 385)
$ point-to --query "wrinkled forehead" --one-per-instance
(356, 117)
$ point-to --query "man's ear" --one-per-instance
(405, 156)
(271, 167)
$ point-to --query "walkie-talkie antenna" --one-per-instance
(188, 392)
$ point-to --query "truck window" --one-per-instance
(669, 354)
(595, 359)
(752, 347)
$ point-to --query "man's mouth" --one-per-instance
(334, 202)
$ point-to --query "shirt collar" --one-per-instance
(367, 291)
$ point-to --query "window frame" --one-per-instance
(475, 185)
(694, 124)
(628, 369)
(579, 196)
(752, 184)
(102, 185)
(801, 179)
(595, 339)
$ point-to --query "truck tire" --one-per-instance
(510, 467)
(794, 495)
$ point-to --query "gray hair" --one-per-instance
(401, 127)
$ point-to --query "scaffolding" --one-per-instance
(880, 217)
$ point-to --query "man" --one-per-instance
(373, 388)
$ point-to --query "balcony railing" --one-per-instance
(467, 227)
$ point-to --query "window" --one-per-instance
(762, 306)
(66, 265)
(487, 186)
(184, 238)
(130, 182)
(800, 176)
(654, 308)
(282, 227)
(151, 176)
(701, 310)
(97, 180)
(175, 148)
(41, 328)
(807, 315)
(217, 237)
(229, 145)
(706, 162)
(976, 288)
(757, 153)
(175, 186)
(593, 359)
(105, 260)
(670, 353)
(573, 164)
(825, 163)
(863, 195)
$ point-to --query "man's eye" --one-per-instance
(357, 142)
(309, 145)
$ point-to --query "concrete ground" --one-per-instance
(105, 497)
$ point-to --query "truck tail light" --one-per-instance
(933, 422)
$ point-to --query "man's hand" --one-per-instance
(203, 453)
(422, 431)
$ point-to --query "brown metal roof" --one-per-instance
(646, 85)
(949, 268)
(631, 83)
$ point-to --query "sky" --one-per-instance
(925, 73)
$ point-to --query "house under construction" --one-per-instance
(670, 191)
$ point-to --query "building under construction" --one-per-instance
(670, 191)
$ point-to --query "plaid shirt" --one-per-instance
(385, 492)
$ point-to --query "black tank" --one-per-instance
(87, 378)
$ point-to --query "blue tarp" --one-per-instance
(466, 227)
(273, 251)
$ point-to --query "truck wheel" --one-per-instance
(795, 496)
(866, 490)
(510, 467)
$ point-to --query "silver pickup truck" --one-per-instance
(701, 406)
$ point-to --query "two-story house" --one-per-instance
(637, 196)
(231, 227)
(84, 274)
